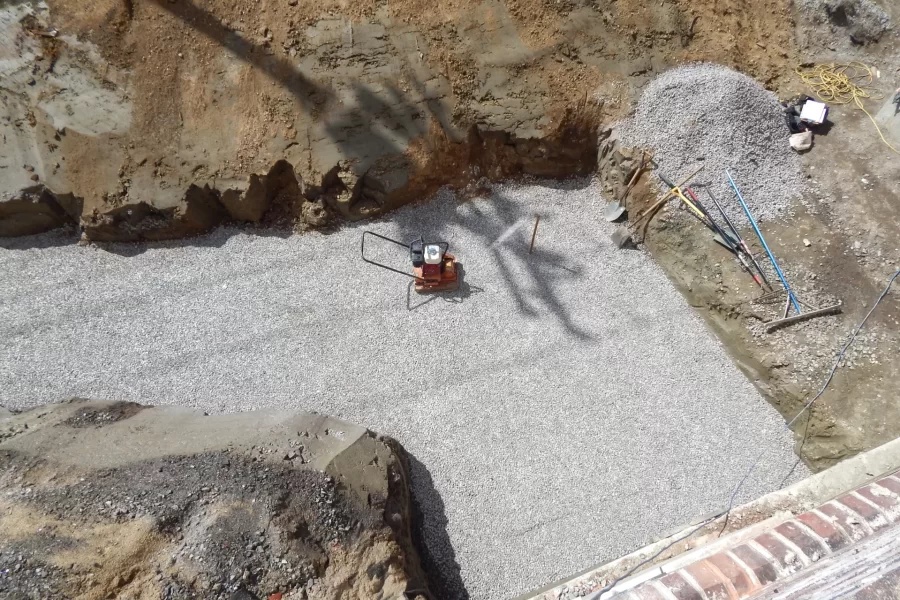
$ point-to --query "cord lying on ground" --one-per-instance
(843, 84)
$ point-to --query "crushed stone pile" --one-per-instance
(705, 114)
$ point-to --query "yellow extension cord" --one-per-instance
(843, 84)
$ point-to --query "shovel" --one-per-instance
(622, 235)
(615, 210)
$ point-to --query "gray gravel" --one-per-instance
(710, 115)
(862, 20)
(563, 408)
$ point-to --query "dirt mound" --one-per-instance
(196, 506)
(863, 20)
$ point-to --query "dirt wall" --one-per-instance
(180, 104)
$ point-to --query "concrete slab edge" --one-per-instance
(745, 522)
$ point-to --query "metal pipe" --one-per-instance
(764, 244)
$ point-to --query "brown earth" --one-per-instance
(372, 104)
(281, 110)
(193, 506)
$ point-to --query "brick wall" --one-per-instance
(781, 551)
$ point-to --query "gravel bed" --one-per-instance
(711, 116)
(561, 409)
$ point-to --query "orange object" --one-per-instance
(434, 268)
(437, 278)
(275, 596)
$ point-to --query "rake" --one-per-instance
(792, 299)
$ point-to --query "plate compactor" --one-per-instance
(434, 268)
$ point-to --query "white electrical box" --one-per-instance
(814, 112)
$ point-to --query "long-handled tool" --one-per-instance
(740, 240)
(616, 209)
(792, 298)
(698, 210)
(724, 238)
(676, 190)
(719, 235)
(622, 235)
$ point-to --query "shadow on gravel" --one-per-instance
(415, 300)
(41, 241)
(216, 238)
(438, 556)
(504, 227)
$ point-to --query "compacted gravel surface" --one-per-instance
(561, 408)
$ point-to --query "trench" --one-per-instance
(280, 200)
(540, 403)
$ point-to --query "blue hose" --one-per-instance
(764, 244)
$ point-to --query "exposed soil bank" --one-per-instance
(159, 119)
(190, 505)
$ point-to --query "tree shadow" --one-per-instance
(414, 300)
(366, 123)
(504, 228)
(430, 535)
(375, 126)
(281, 70)
(370, 126)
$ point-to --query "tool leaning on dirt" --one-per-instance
(792, 299)
(729, 240)
(621, 237)
(434, 268)
(735, 235)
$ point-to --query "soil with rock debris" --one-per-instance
(705, 115)
(286, 514)
(863, 21)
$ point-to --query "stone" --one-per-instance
(342, 189)
(801, 141)
(198, 212)
(621, 237)
(32, 210)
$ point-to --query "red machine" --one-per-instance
(434, 268)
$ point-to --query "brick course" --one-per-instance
(741, 571)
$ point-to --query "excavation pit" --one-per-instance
(561, 409)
